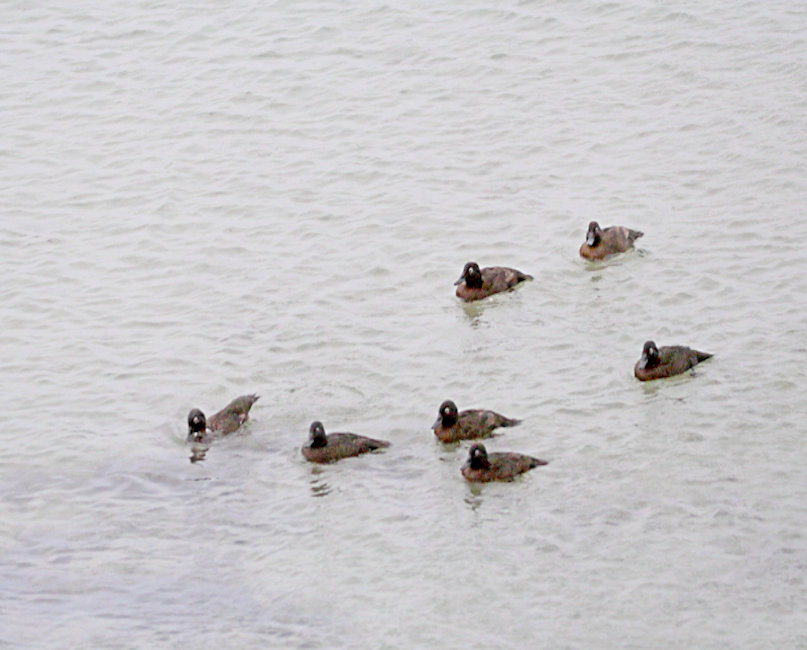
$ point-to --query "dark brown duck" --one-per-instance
(482, 466)
(452, 426)
(476, 283)
(601, 242)
(657, 363)
(227, 420)
(322, 448)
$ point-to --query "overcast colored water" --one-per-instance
(202, 201)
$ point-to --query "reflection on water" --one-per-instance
(319, 488)
(474, 496)
(449, 447)
(612, 261)
(198, 452)
(473, 312)
(656, 387)
(476, 309)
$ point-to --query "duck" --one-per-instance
(452, 425)
(224, 422)
(322, 448)
(657, 363)
(482, 466)
(601, 243)
(476, 283)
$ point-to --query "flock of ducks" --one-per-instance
(453, 425)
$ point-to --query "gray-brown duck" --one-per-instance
(322, 448)
(476, 283)
(602, 242)
(659, 362)
(453, 425)
(482, 466)
(226, 421)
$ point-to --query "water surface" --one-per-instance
(204, 201)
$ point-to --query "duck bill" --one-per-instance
(643, 362)
(459, 281)
(437, 423)
(590, 240)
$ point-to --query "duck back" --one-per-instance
(504, 466)
(495, 279)
(232, 416)
(612, 240)
(342, 445)
(672, 360)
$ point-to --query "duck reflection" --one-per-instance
(198, 453)
(474, 496)
(473, 312)
(319, 487)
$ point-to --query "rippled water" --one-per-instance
(202, 201)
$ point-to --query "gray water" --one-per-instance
(204, 200)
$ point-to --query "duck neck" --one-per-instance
(480, 462)
(318, 442)
(474, 281)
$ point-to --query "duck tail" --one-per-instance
(244, 403)
(509, 422)
(703, 356)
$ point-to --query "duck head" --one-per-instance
(471, 275)
(478, 457)
(316, 435)
(593, 234)
(649, 355)
(447, 415)
(197, 425)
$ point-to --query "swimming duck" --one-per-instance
(475, 284)
(666, 361)
(482, 466)
(322, 448)
(225, 421)
(601, 243)
(452, 426)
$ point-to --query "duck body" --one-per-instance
(666, 361)
(602, 242)
(329, 448)
(453, 425)
(224, 422)
(483, 467)
(476, 283)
